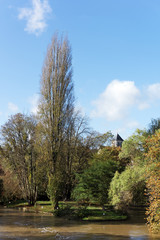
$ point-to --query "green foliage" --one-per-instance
(63, 211)
(128, 187)
(56, 185)
(62, 128)
(102, 215)
(133, 147)
(71, 212)
(90, 213)
(82, 212)
(93, 183)
(111, 153)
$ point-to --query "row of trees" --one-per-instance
(45, 152)
(139, 183)
(54, 154)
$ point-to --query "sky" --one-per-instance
(116, 58)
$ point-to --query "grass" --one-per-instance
(102, 215)
(40, 206)
(71, 210)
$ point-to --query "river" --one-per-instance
(15, 224)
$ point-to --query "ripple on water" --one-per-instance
(47, 229)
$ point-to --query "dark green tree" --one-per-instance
(93, 183)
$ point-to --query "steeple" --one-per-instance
(117, 142)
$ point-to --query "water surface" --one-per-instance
(20, 225)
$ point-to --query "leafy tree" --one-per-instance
(133, 148)
(153, 181)
(43, 165)
(89, 145)
(93, 183)
(128, 188)
(66, 140)
(56, 107)
(18, 152)
(111, 153)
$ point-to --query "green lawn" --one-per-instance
(71, 210)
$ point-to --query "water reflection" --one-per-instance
(19, 225)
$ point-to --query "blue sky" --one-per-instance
(116, 58)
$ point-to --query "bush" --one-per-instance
(63, 211)
(82, 212)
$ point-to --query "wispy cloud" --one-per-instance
(12, 107)
(143, 105)
(34, 103)
(80, 109)
(132, 124)
(153, 91)
(35, 16)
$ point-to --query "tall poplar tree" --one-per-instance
(56, 109)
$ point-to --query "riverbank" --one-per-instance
(71, 211)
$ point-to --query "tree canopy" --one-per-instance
(18, 152)
(153, 181)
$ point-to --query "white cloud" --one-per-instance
(116, 100)
(34, 103)
(12, 107)
(35, 16)
(132, 124)
(143, 105)
(153, 91)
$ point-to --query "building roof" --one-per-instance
(118, 138)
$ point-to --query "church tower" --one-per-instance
(117, 142)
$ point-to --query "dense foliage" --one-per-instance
(128, 188)
(94, 182)
(133, 148)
